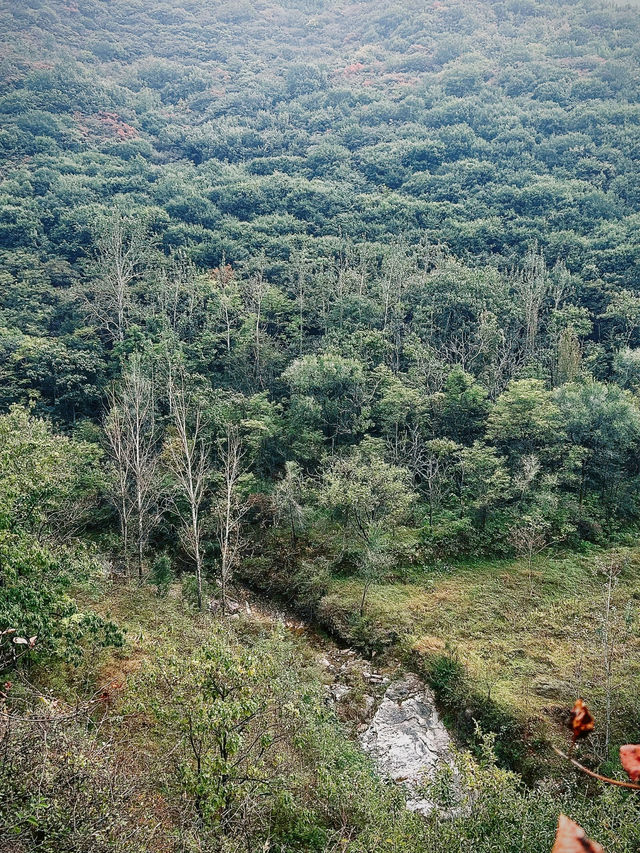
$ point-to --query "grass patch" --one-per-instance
(527, 642)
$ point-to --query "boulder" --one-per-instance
(408, 741)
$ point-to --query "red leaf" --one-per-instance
(630, 759)
(571, 838)
(581, 720)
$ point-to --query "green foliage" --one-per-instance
(364, 490)
(212, 701)
(401, 262)
(62, 785)
(467, 711)
(47, 481)
(36, 602)
(161, 575)
(189, 589)
(47, 486)
(525, 419)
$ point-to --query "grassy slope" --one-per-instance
(157, 628)
(533, 652)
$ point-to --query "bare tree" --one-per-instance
(228, 298)
(180, 296)
(616, 625)
(122, 244)
(301, 270)
(188, 455)
(254, 292)
(608, 644)
(118, 443)
(132, 434)
(230, 508)
(431, 463)
(532, 286)
(529, 539)
(560, 287)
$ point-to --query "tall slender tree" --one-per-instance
(188, 455)
(230, 508)
(133, 439)
(122, 254)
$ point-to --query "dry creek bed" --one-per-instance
(391, 711)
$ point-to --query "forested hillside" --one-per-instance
(338, 302)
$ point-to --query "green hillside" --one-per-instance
(337, 304)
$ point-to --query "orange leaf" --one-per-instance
(571, 838)
(581, 720)
(630, 759)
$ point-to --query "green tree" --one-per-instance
(465, 407)
(484, 481)
(333, 394)
(604, 421)
(48, 483)
(371, 499)
(224, 710)
(525, 420)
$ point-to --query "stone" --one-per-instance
(339, 691)
(408, 741)
(552, 688)
(368, 703)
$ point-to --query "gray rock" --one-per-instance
(339, 691)
(551, 688)
(408, 741)
(368, 703)
(215, 605)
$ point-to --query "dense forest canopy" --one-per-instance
(341, 302)
(381, 220)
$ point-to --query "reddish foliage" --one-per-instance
(104, 125)
(630, 760)
(105, 696)
(112, 122)
(354, 68)
(222, 275)
(571, 838)
(262, 508)
(581, 720)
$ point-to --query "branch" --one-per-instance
(595, 775)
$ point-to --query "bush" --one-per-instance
(190, 590)
(162, 574)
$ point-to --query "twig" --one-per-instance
(595, 775)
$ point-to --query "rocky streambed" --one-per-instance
(391, 711)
